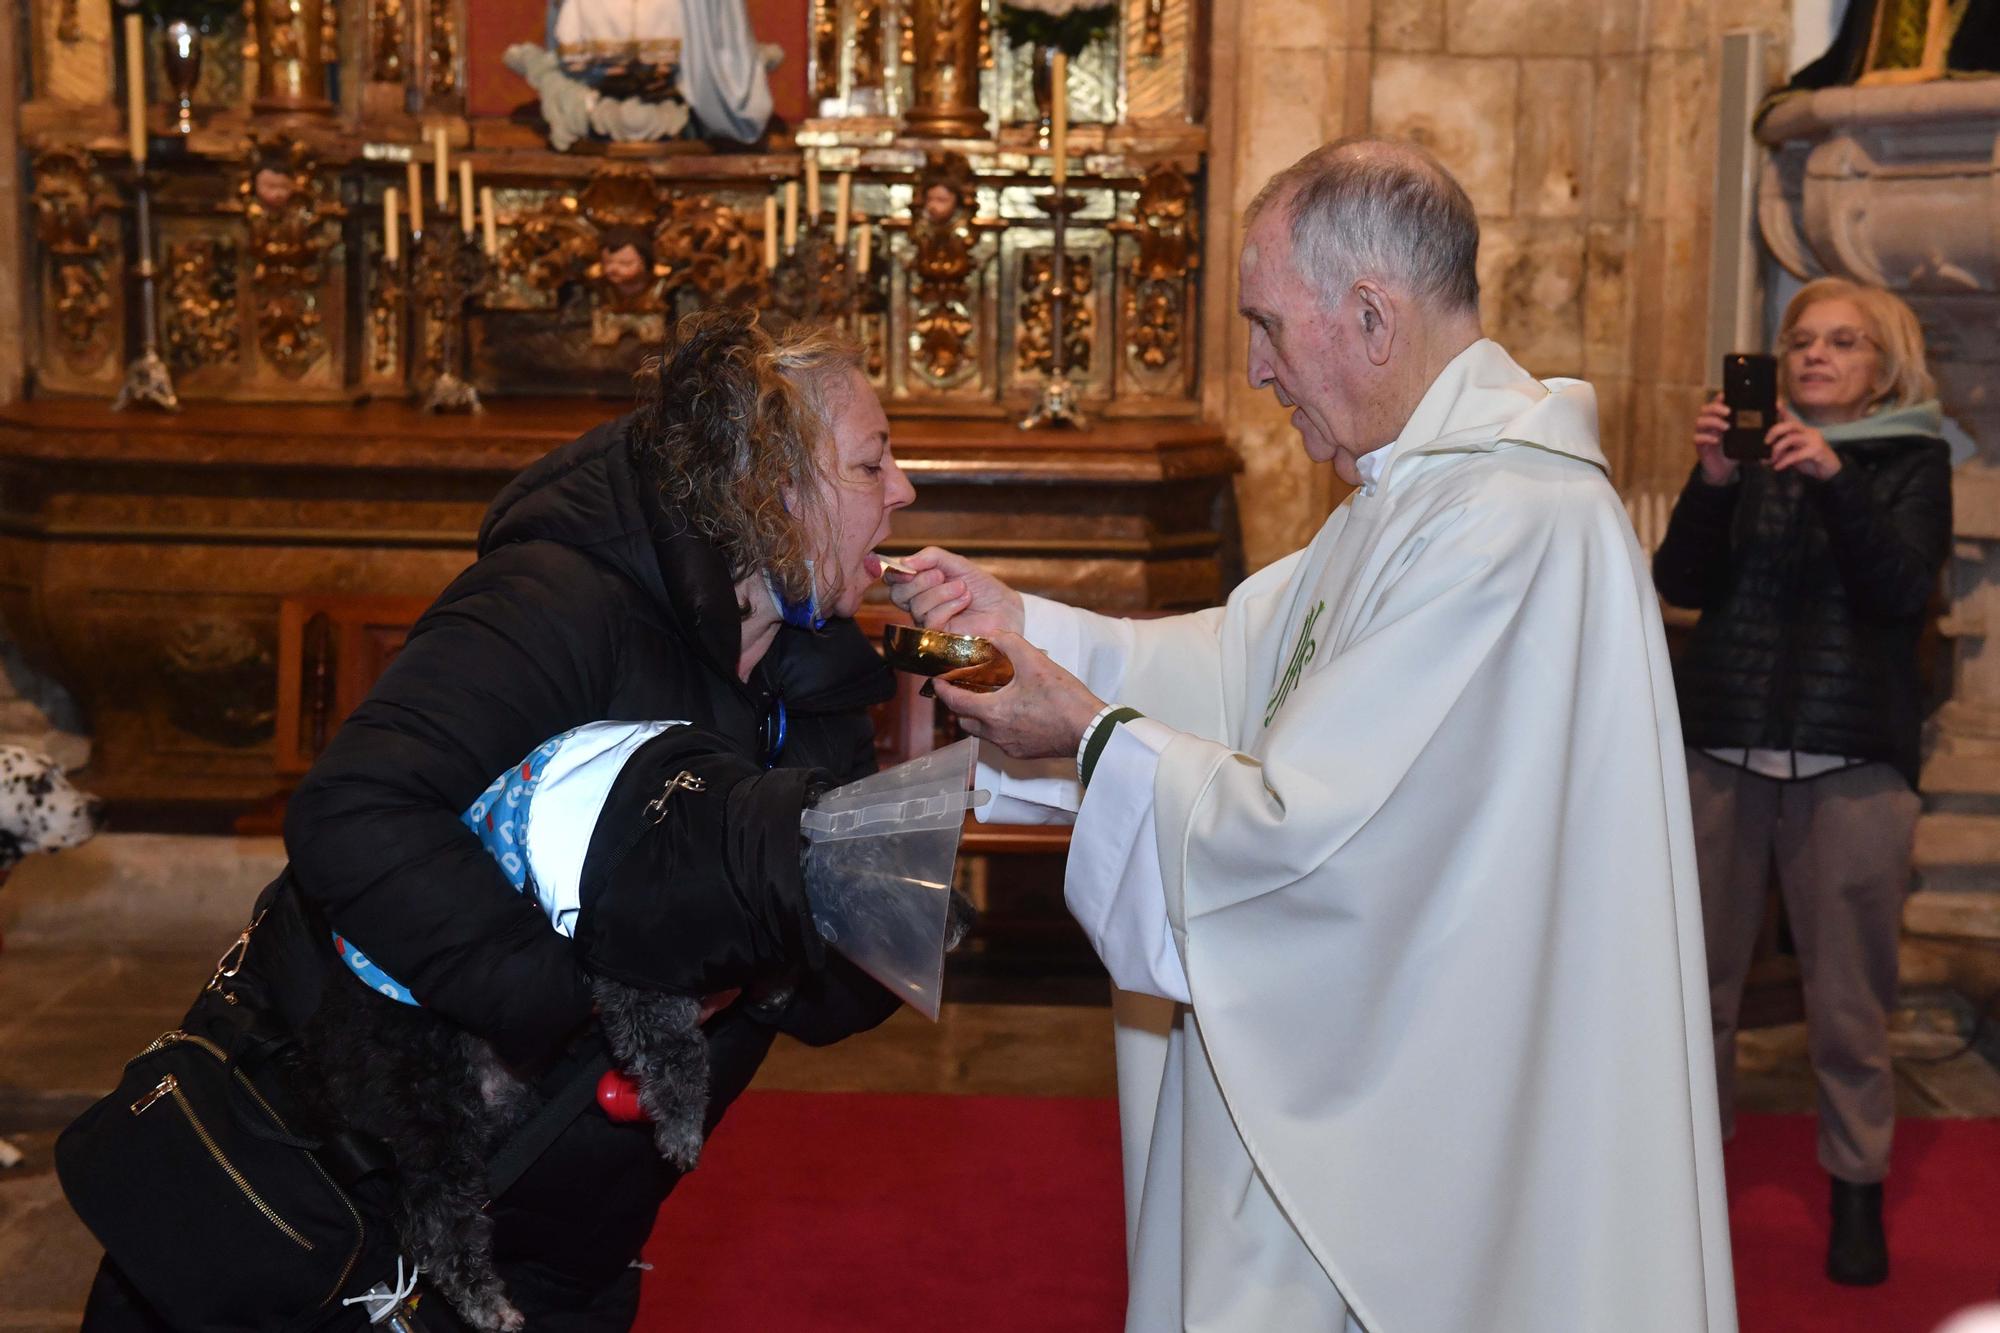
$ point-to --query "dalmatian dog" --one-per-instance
(39, 810)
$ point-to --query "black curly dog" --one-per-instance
(444, 1105)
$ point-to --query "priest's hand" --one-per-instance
(1040, 714)
(951, 593)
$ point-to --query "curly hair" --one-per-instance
(732, 420)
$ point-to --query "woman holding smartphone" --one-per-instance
(1800, 702)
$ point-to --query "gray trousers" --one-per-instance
(1841, 846)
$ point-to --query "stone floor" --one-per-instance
(70, 1016)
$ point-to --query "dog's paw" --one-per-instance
(679, 1143)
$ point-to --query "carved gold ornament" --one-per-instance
(288, 216)
(1035, 351)
(1168, 233)
(200, 319)
(826, 49)
(70, 195)
(943, 235)
(386, 35)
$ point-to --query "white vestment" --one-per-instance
(1421, 837)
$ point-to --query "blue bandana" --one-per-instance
(500, 819)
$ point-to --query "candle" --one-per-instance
(867, 243)
(843, 200)
(392, 227)
(135, 86)
(441, 159)
(791, 216)
(1059, 122)
(770, 231)
(488, 225)
(415, 181)
(812, 188)
(465, 195)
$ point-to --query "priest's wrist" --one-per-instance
(1098, 735)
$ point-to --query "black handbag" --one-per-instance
(194, 1177)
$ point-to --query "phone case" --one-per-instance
(1750, 392)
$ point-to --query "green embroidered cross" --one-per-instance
(1302, 654)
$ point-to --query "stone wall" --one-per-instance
(1585, 135)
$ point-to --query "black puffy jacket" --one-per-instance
(585, 604)
(1812, 597)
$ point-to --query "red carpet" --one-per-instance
(826, 1213)
(1943, 1213)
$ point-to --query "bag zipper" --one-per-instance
(169, 1086)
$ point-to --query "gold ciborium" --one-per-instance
(966, 660)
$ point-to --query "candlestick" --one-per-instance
(441, 158)
(414, 180)
(770, 231)
(392, 227)
(135, 87)
(465, 195)
(867, 243)
(1059, 121)
(148, 383)
(812, 188)
(843, 203)
(487, 223)
(791, 216)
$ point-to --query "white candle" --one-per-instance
(1059, 117)
(791, 216)
(441, 159)
(770, 231)
(812, 188)
(867, 243)
(415, 181)
(843, 203)
(392, 227)
(135, 86)
(465, 195)
(488, 225)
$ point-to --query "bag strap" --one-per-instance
(532, 1139)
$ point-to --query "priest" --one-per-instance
(1390, 856)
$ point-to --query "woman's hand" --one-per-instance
(1794, 444)
(951, 593)
(1716, 468)
(1040, 714)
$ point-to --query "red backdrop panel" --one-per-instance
(494, 25)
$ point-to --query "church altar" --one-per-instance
(340, 244)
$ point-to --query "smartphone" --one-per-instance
(1750, 392)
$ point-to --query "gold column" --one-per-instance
(291, 56)
(947, 70)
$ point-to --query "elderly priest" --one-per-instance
(1398, 838)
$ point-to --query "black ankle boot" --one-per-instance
(1857, 1252)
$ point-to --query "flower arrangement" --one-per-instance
(1066, 25)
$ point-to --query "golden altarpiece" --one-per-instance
(355, 371)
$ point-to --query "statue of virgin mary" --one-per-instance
(635, 70)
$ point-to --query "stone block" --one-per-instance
(1349, 82)
(1621, 27)
(1463, 110)
(1291, 25)
(1679, 25)
(1961, 916)
(1553, 138)
(1519, 28)
(1614, 427)
(140, 890)
(1281, 118)
(1679, 118)
(1409, 25)
(1616, 170)
(1607, 298)
(1531, 292)
(1282, 495)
